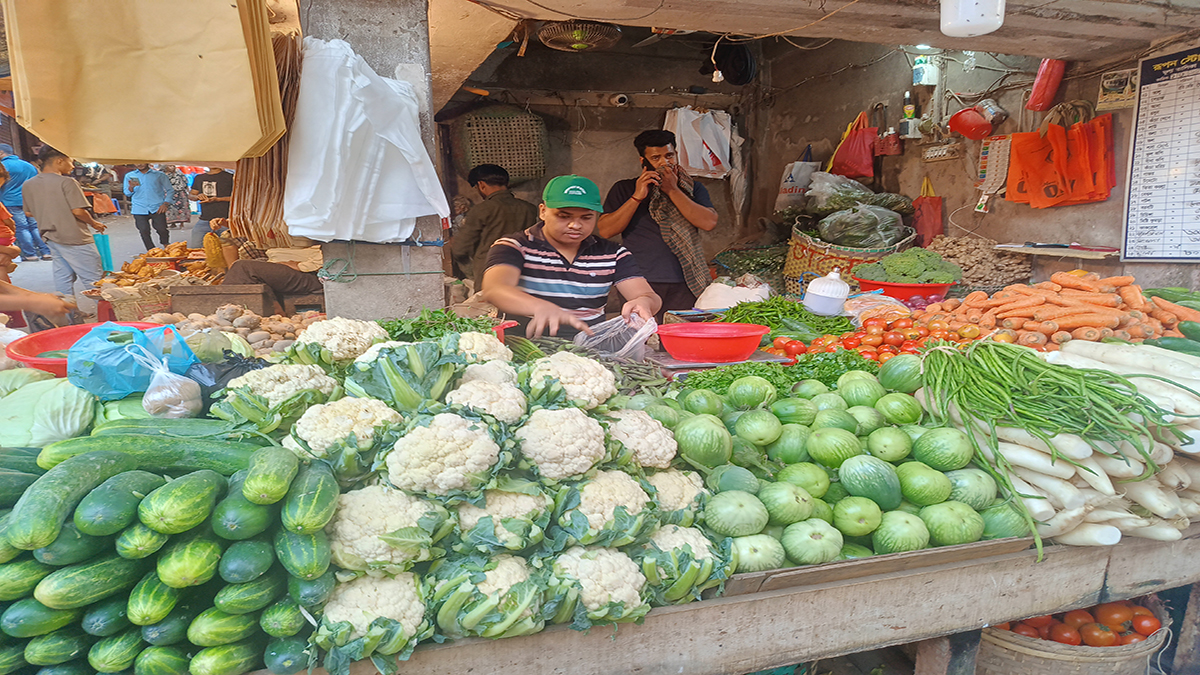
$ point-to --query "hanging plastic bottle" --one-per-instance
(969, 18)
(826, 295)
(1045, 85)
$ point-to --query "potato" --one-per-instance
(282, 345)
(258, 336)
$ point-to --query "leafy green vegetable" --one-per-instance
(787, 317)
(432, 324)
(826, 367)
(913, 266)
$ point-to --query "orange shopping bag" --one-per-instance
(855, 155)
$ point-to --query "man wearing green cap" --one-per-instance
(558, 273)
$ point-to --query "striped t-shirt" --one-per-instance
(580, 287)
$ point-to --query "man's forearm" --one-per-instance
(702, 217)
(86, 218)
(612, 224)
(513, 300)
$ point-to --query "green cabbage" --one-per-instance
(43, 412)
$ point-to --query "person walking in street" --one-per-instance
(18, 171)
(498, 215)
(150, 194)
(60, 207)
(659, 216)
(214, 191)
(179, 211)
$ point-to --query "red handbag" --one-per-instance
(927, 215)
(855, 155)
(889, 143)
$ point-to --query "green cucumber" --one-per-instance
(171, 428)
(173, 629)
(61, 646)
(76, 667)
(157, 454)
(12, 658)
(116, 653)
(190, 561)
(30, 618)
(312, 592)
(161, 661)
(232, 659)
(106, 618)
(305, 556)
(83, 584)
(21, 459)
(237, 518)
(282, 619)
(151, 600)
(271, 472)
(139, 541)
(40, 513)
(113, 505)
(7, 550)
(213, 628)
(1181, 345)
(1190, 330)
(13, 484)
(19, 577)
(182, 503)
(246, 561)
(311, 501)
(251, 596)
(286, 656)
(72, 546)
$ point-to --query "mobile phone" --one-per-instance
(647, 165)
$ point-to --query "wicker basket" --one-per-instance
(141, 306)
(814, 257)
(1003, 652)
(730, 263)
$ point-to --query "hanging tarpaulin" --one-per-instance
(357, 165)
(702, 140)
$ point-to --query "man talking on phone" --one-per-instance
(659, 216)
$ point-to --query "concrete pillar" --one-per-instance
(394, 280)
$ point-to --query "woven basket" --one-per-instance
(142, 306)
(814, 257)
(1003, 652)
(729, 263)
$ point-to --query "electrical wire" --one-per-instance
(802, 47)
(584, 18)
(752, 37)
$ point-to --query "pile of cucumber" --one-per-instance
(154, 555)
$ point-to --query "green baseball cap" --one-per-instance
(572, 192)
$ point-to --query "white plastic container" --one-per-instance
(827, 295)
(969, 18)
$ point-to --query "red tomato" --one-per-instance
(1137, 609)
(873, 340)
(1112, 614)
(1097, 635)
(884, 357)
(1044, 631)
(1146, 625)
(1026, 630)
(870, 356)
(911, 334)
(874, 330)
(923, 331)
(794, 347)
(939, 335)
(1077, 617)
(969, 331)
(829, 339)
(875, 321)
(1061, 632)
(815, 348)
(1039, 621)
(1003, 626)
(902, 323)
(851, 342)
(860, 334)
(832, 348)
(893, 338)
(1130, 638)
(779, 342)
(888, 349)
(938, 324)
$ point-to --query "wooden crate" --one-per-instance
(257, 298)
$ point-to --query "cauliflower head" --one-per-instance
(600, 497)
(499, 372)
(561, 443)
(372, 352)
(503, 401)
(482, 347)
(377, 527)
(677, 490)
(518, 520)
(345, 338)
(508, 572)
(609, 583)
(361, 601)
(610, 509)
(583, 379)
(680, 563)
(325, 425)
(443, 455)
(488, 597)
(669, 537)
(280, 382)
(653, 445)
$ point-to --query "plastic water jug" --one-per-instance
(969, 18)
(826, 295)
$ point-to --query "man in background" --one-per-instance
(28, 239)
(659, 216)
(60, 207)
(149, 194)
(499, 214)
(214, 191)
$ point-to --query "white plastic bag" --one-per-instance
(169, 395)
(793, 187)
(8, 335)
(618, 339)
(702, 140)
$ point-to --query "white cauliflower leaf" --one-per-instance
(680, 563)
(512, 517)
(404, 374)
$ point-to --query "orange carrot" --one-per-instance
(1001, 295)
(975, 298)
(1080, 320)
(1049, 312)
(1040, 292)
(935, 307)
(1090, 276)
(956, 324)
(974, 315)
(1172, 333)
(1181, 313)
(1039, 327)
(1102, 299)
(1122, 335)
(950, 304)
(1132, 296)
(1015, 287)
(988, 320)
(1048, 286)
(1086, 333)
(1070, 281)
(1060, 337)
(1013, 322)
(1030, 338)
(1006, 332)
(1116, 282)
(1021, 303)
(1137, 331)
(1167, 318)
(1024, 312)
(1050, 347)
(1106, 333)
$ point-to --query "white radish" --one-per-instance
(1131, 523)
(1192, 433)
(1090, 471)
(1134, 357)
(1172, 476)
(1191, 466)
(1159, 532)
(1069, 445)
(1060, 492)
(1165, 396)
(1019, 455)
(1036, 504)
(1101, 515)
(1129, 467)
(1150, 495)
(1090, 534)
(1191, 508)
(1063, 521)
(1159, 351)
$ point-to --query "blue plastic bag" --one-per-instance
(102, 361)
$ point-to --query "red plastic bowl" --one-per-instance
(903, 291)
(26, 349)
(711, 342)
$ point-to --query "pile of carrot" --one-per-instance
(1070, 306)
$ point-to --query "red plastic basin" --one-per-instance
(26, 349)
(711, 342)
(903, 291)
(499, 328)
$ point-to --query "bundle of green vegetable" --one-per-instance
(787, 317)
(432, 324)
(825, 367)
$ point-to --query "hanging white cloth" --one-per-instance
(702, 140)
(357, 166)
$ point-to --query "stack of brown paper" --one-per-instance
(146, 80)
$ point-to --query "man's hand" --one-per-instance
(201, 197)
(642, 189)
(99, 227)
(670, 179)
(547, 318)
(162, 209)
(639, 306)
(49, 306)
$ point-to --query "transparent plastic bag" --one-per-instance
(875, 304)
(828, 193)
(863, 226)
(618, 339)
(208, 345)
(169, 395)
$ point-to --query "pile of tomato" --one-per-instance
(1106, 625)
(880, 340)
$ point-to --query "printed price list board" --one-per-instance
(1162, 212)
